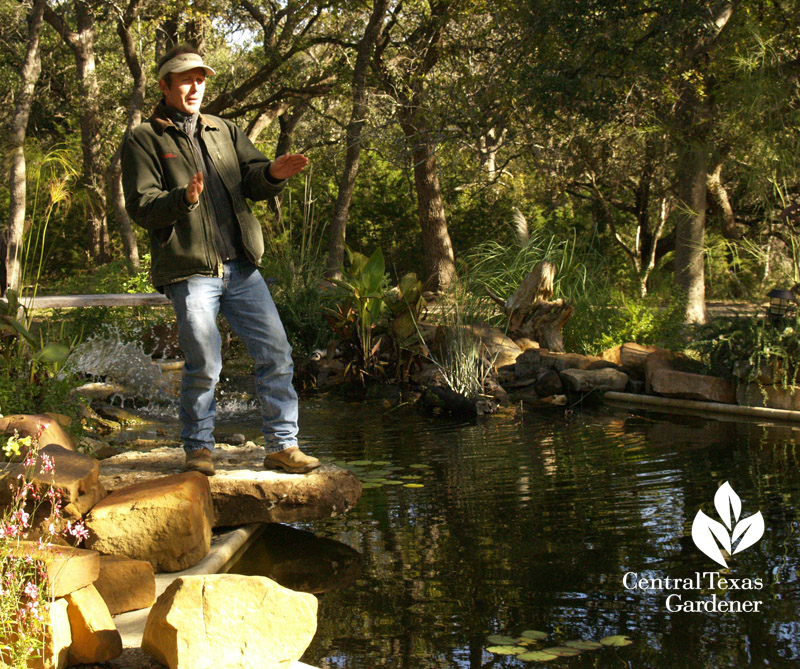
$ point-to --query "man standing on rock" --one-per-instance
(186, 176)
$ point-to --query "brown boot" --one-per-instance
(292, 460)
(199, 461)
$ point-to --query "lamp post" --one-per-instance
(780, 300)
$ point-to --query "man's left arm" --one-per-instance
(262, 179)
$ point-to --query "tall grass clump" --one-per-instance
(605, 313)
(294, 263)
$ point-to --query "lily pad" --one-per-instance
(411, 477)
(360, 463)
(616, 641)
(537, 656)
(562, 651)
(580, 644)
(502, 640)
(393, 483)
(382, 463)
(413, 485)
(506, 650)
(534, 635)
(419, 466)
(369, 486)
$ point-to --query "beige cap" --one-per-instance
(183, 63)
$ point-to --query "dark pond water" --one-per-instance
(530, 522)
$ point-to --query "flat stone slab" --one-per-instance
(242, 490)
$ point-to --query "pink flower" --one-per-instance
(47, 463)
(23, 517)
(78, 530)
(32, 590)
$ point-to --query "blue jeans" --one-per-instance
(243, 298)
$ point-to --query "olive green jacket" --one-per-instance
(157, 163)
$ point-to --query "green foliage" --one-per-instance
(377, 326)
(757, 342)
(31, 375)
(607, 318)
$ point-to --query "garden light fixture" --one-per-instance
(780, 300)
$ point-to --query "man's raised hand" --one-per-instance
(287, 165)
(194, 189)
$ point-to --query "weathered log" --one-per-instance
(531, 314)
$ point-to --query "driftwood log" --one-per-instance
(530, 311)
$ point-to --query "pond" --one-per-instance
(468, 530)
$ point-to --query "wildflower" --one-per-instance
(47, 463)
(31, 590)
(78, 530)
(23, 517)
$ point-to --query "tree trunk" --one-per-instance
(31, 69)
(690, 231)
(265, 119)
(288, 122)
(719, 196)
(82, 45)
(347, 182)
(440, 265)
(135, 106)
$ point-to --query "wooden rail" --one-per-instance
(107, 300)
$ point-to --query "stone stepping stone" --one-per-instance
(242, 490)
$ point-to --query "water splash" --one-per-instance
(124, 364)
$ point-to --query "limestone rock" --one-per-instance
(773, 397)
(548, 383)
(74, 475)
(528, 363)
(526, 344)
(166, 521)
(68, 569)
(665, 360)
(44, 427)
(125, 584)
(498, 347)
(231, 621)
(94, 636)
(242, 490)
(588, 380)
(631, 357)
(672, 383)
(562, 361)
(59, 634)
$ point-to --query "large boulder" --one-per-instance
(58, 637)
(631, 357)
(242, 490)
(125, 584)
(501, 349)
(770, 396)
(68, 569)
(562, 361)
(166, 521)
(74, 475)
(672, 383)
(588, 380)
(44, 428)
(231, 621)
(94, 636)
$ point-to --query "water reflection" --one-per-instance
(299, 560)
(530, 523)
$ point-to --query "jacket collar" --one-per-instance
(160, 121)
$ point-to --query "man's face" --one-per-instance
(186, 90)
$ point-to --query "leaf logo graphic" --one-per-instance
(709, 534)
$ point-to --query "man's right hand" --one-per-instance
(194, 189)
